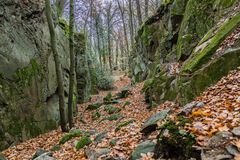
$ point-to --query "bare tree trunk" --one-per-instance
(117, 53)
(146, 8)
(124, 25)
(139, 14)
(131, 21)
(109, 35)
(72, 65)
(109, 49)
(57, 66)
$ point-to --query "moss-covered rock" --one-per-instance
(94, 106)
(70, 135)
(201, 67)
(111, 109)
(112, 117)
(84, 141)
(123, 124)
(174, 142)
(96, 115)
(210, 43)
(199, 17)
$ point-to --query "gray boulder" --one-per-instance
(151, 124)
(144, 147)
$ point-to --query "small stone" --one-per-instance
(233, 150)
(100, 137)
(39, 152)
(219, 139)
(144, 147)
(188, 108)
(45, 156)
(200, 105)
(151, 124)
(236, 131)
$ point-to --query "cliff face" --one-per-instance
(28, 86)
(179, 49)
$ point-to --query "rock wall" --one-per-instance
(28, 86)
(177, 49)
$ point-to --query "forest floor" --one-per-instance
(219, 112)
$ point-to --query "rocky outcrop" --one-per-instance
(28, 86)
(188, 54)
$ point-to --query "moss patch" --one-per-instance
(203, 56)
(84, 141)
(111, 109)
(68, 136)
(123, 124)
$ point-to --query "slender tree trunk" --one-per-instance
(139, 13)
(117, 54)
(124, 25)
(103, 50)
(109, 49)
(72, 65)
(131, 21)
(146, 8)
(57, 66)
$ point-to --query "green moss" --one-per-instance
(126, 104)
(69, 136)
(178, 142)
(24, 76)
(123, 124)
(108, 98)
(84, 141)
(204, 55)
(51, 124)
(113, 142)
(94, 106)
(64, 25)
(197, 21)
(178, 7)
(224, 3)
(96, 115)
(112, 117)
(55, 148)
(111, 109)
(15, 126)
(32, 128)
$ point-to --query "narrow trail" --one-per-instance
(221, 106)
(128, 137)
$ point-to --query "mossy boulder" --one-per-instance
(94, 106)
(208, 46)
(143, 148)
(84, 141)
(112, 117)
(200, 70)
(151, 124)
(96, 115)
(70, 135)
(123, 124)
(199, 17)
(174, 142)
(111, 109)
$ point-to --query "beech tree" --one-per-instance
(57, 65)
(72, 64)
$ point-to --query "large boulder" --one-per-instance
(196, 53)
(28, 85)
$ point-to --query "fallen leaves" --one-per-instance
(221, 110)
